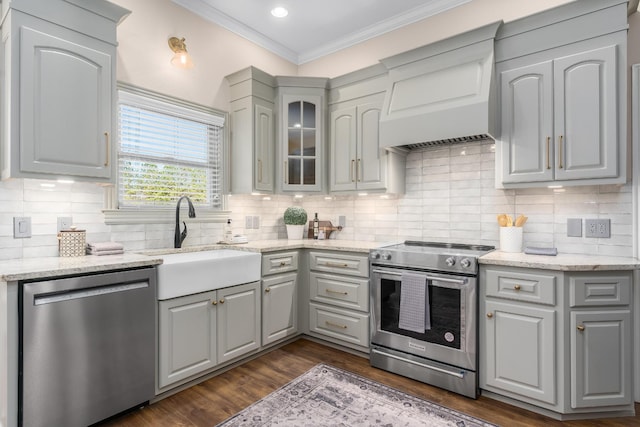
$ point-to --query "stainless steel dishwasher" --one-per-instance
(87, 347)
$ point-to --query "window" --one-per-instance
(168, 148)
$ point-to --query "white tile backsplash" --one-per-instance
(450, 196)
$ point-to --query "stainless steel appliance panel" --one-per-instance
(452, 337)
(87, 347)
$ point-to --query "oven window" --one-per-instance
(444, 311)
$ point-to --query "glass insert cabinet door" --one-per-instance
(302, 127)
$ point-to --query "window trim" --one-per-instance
(113, 215)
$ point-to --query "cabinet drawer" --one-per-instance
(339, 263)
(521, 286)
(280, 262)
(595, 289)
(344, 325)
(343, 291)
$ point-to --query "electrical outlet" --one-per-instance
(248, 222)
(64, 222)
(342, 221)
(256, 222)
(21, 227)
(600, 228)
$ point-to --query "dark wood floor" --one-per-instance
(216, 399)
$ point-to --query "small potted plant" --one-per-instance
(295, 219)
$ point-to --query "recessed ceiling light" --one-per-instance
(279, 12)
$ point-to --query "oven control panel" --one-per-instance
(376, 255)
(443, 262)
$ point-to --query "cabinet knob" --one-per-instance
(517, 287)
(214, 302)
(580, 328)
(489, 315)
(267, 290)
(221, 300)
(282, 263)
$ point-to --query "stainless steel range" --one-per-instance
(424, 312)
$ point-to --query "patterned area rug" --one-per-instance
(328, 396)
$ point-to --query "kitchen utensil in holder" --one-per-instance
(511, 239)
(72, 242)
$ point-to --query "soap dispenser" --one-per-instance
(228, 231)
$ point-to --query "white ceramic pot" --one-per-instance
(295, 232)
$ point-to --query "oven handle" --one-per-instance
(422, 365)
(440, 279)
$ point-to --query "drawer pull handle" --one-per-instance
(267, 290)
(335, 264)
(517, 287)
(489, 315)
(214, 302)
(335, 325)
(331, 291)
(282, 263)
(580, 328)
(222, 301)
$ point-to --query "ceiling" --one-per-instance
(314, 28)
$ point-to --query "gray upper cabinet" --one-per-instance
(563, 97)
(356, 162)
(253, 132)
(59, 77)
(301, 136)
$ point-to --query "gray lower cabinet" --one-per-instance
(279, 296)
(198, 332)
(279, 307)
(238, 321)
(557, 341)
(187, 337)
(339, 298)
(601, 342)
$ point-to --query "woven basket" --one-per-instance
(72, 242)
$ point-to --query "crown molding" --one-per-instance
(205, 10)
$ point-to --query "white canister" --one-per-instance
(511, 239)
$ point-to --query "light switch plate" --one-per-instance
(256, 222)
(248, 222)
(21, 227)
(342, 221)
(574, 227)
(64, 222)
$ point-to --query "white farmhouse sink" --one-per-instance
(188, 273)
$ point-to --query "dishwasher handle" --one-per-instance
(86, 293)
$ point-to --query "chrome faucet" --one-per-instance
(179, 237)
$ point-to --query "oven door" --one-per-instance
(452, 310)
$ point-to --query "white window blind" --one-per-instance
(167, 151)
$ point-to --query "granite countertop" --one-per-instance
(560, 262)
(44, 267)
(264, 246)
(39, 268)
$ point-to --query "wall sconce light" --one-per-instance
(181, 58)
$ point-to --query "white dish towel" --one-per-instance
(414, 303)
